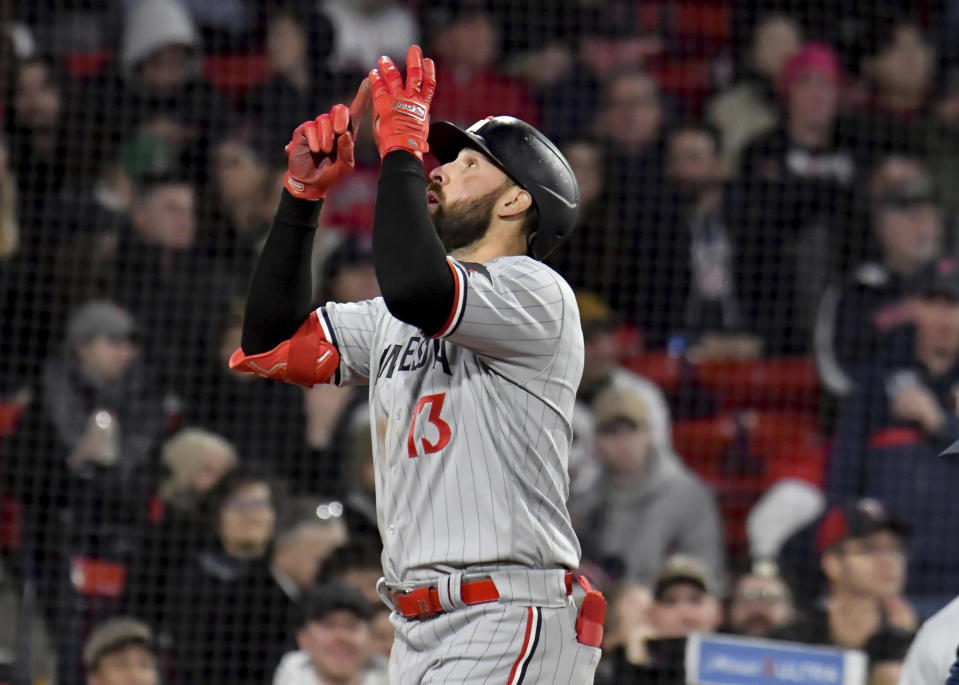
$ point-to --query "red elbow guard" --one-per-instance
(307, 358)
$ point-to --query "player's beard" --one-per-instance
(460, 224)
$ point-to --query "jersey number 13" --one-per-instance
(435, 403)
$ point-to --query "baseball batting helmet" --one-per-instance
(531, 160)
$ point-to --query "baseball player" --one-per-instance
(472, 355)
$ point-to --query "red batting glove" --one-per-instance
(321, 151)
(401, 119)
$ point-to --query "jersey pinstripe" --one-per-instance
(472, 428)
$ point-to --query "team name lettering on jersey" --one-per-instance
(415, 354)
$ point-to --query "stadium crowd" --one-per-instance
(765, 266)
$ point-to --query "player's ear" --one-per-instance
(514, 202)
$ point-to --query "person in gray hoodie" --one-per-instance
(644, 506)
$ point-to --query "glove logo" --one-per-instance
(296, 185)
(410, 108)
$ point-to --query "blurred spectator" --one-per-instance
(587, 260)
(806, 147)
(156, 91)
(864, 560)
(749, 107)
(356, 564)
(892, 429)
(308, 533)
(542, 36)
(877, 298)
(121, 651)
(465, 43)
(899, 66)
(799, 181)
(335, 646)
(162, 275)
(298, 45)
(613, 37)
(81, 457)
(645, 504)
(266, 419)
(683, 603)
(934, 648)
(196, 460)
(627, 614)
(687, 260)
(630, 122)
(9, 224)
(684, 599)
(43, 152)
(245, 197)
(603, 370)
(357, 455)
(347, 274)
(886, 651)
(629, 126)
(761, 602)
(229, 616)
(363, 30)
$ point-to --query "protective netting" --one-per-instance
(764, 264)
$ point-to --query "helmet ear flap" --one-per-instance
(530, 241)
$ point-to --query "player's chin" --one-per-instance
(432, 207)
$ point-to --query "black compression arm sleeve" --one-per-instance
(281, 290)
(410, 261)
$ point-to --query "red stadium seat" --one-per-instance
(233, 74)
(9, 415)
(83, 65)
(779, 384)
(665, 371)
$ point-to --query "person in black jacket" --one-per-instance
(226, 614)
(892, 429)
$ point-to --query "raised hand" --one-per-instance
(401, 119)
(321, 151)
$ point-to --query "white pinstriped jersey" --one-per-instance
(471, 429)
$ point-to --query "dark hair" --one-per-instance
(627, 73)
(148, 184)
(316, 27)
(880, 32)
(230, 484)
(323, 600)
(699, 126)
(55, 73)
(359, 555)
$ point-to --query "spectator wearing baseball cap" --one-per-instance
(892, 429)
(333, 635)
(803, 176)
(645, 504)
(121, 651)
(652, 651)
(684, 599)
(863, 557)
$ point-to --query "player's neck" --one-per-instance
(501, 240)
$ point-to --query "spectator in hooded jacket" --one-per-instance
(646, 504)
